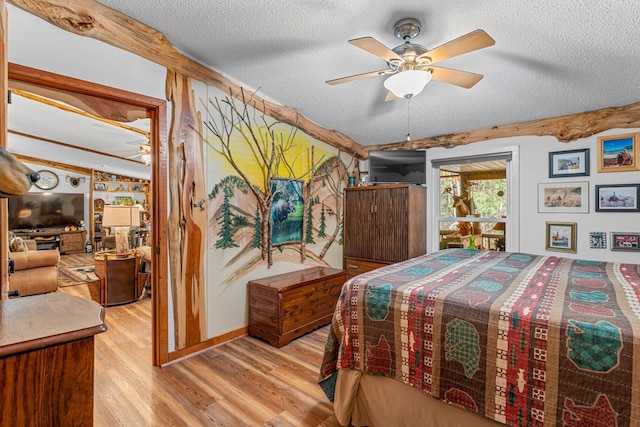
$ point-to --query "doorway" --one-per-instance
(119, 105)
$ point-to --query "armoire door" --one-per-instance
(391, 224)
(359, 224)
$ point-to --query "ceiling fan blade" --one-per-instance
(463, 79)
(359, 76)
(474, 40)
(373, 46)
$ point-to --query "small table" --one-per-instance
(118, 277)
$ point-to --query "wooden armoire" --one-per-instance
(383, 224)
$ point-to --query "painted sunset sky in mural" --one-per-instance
(299, 156)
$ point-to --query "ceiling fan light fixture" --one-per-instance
(407, 84)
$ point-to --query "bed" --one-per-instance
(484, 338)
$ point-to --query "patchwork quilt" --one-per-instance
(520, 339)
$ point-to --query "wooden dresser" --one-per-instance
(46, 359)
(287, 306)
(383, 224)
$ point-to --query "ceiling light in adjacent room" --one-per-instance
(407, 84)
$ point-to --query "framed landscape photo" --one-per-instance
(625, 241)
(617, 198)
(618, 153)
(569, 163)
(565, 197)
(561, 236)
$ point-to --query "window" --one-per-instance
(473, 202)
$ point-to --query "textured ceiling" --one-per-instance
(550, 58)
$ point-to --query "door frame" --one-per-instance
(157, 112)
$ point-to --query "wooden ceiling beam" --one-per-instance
(57, 165)
(565, 128)
(73, 147)
(71, 109)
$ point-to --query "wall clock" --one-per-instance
(48, 180)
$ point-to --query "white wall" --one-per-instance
(534, 160)
(35, 43)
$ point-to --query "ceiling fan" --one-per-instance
(144, 153)
(410, 65)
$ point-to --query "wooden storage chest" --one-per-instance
(287, 306)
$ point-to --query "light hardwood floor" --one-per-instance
(246, 382)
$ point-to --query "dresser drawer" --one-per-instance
(356, 266)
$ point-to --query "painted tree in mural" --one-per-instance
(226, 225)
(332, 174)
(229, 222)
(241, 127)
(256, 241)
(322, 228)
(308, 238)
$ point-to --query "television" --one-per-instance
(38, 211)
(395, 167)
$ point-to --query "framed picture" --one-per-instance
(99, 186)
(287, 211)
(617, 198)
(569, 163)
(124, 200)
(565, 197)
(364, 179)
(598, 240)
(618, 153)
(561, 236)
(625, 241)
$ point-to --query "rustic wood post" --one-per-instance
(187, 222)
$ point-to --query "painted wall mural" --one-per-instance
(276, 193)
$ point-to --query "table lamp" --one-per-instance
(121, 218)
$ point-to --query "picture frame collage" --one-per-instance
(616, 153)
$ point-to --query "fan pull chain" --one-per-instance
(408, 120)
